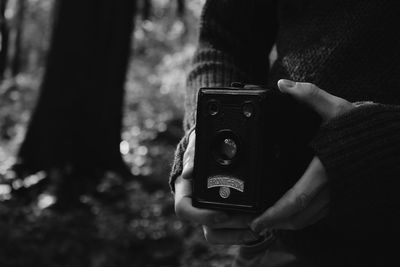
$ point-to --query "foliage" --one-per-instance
(127, 222)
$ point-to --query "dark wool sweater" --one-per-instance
(350, 49)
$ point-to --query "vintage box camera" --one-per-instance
(251, 147)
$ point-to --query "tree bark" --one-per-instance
(75, 128)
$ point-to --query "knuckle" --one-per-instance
(342, 107)
(311, 90)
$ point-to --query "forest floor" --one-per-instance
(134, 222)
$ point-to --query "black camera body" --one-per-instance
(251, 147)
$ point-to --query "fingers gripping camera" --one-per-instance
(251, 146)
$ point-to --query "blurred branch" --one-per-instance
(147, 8)
(4, 33)
(16, 60)
(181, 6)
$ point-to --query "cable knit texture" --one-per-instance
(350, 49)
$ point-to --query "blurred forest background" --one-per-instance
(91, 103)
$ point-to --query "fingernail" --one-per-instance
(286, 83)
(221, 218)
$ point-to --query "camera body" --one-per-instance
(251, 147)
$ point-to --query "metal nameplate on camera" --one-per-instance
(225, 182)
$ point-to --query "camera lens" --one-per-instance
(228, 149)
(213, 107)
(225, 147)
(248, 109)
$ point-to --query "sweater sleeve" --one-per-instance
(235, 39)
(361, 153)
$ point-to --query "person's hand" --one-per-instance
(218, 227)
(307, 201)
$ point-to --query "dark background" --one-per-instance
(91, 103)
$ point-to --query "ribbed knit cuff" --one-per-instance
(361, 154)
(177, 166)
(360, 141)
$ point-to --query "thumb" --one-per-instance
(325, 104)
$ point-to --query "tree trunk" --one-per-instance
(75, 128)
(4, 33)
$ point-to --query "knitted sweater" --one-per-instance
(350, 49)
